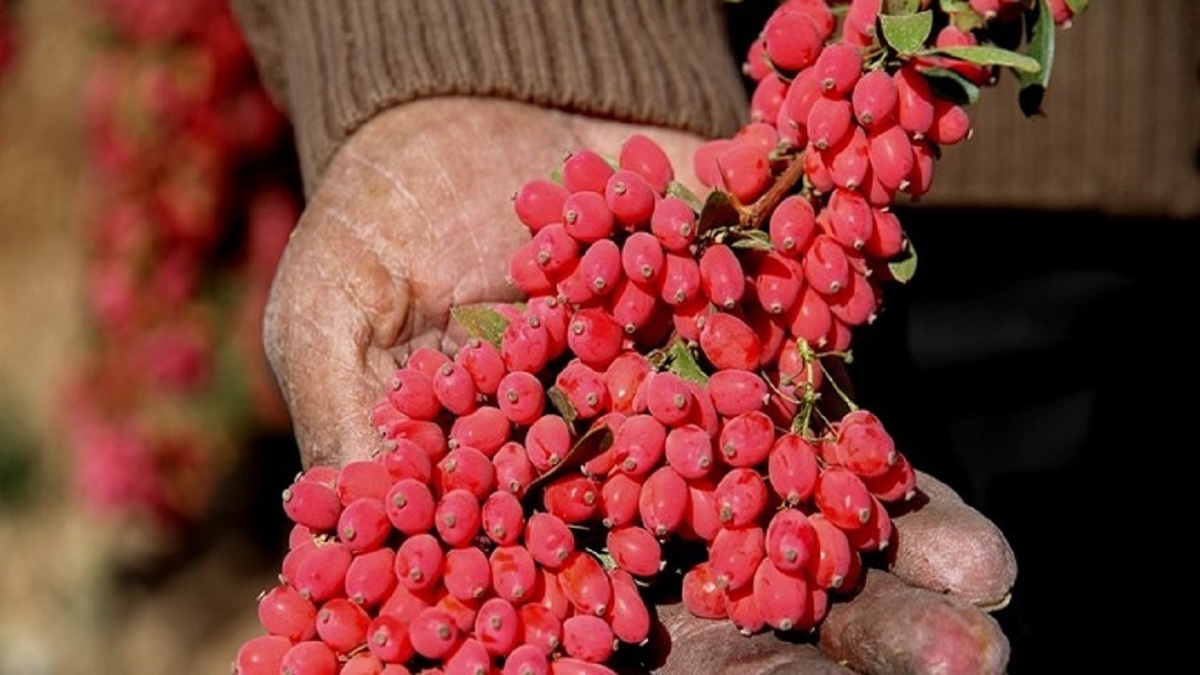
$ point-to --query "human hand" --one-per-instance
(411, 218)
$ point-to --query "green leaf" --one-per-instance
(961, 14)
(1078, 6)
(950, 85)
(907, 33)
(481, 322)
(904, 266)
(990, 56)
(756, 240)
(902, 6)
(1040, 46)
(680, 191)
(556, 176)
(563, 405)
(718, 211)
(683, 363)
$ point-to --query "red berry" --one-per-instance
(874, 99)
(342, 625)
(311, 657)
(467, 574)
(483, 361)
(262, 655)
(284, 611)
(502, 518)
(663, 501)
(313, 505)
(588, 638)
(701, 593)
(586, 585)
(595, 337)
(741, 497)
(322, 572)
(792, 469)
(433, 633)
(419, 562)
(514, 573)
(548, 539)
(521, 397)
(539, 203)
(635, 550)
(587, 217)
(642, 257)
(629, 618)
(727, 342)
(643, 156)
(574, 498)
(457, 517)
(721, 276)
(410, 506)
(734, 554)
(585, 171)
(781, 598)
(412, 394)
(792, 225)
(914, 102)
(364, 525)
(829, 121)
(497, 626)
(792, 39)
(791, 541)
(387, 638)
(838, 68)
(689, 450)
(843, 498)
(631, 198)
(746, 439)
(371, 577)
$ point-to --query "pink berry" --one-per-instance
(645, 157)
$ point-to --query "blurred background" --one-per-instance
(147, 188)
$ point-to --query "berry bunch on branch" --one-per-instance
(669, 406)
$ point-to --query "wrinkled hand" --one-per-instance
(412, 217)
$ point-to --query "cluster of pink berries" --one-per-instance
(178, 129)
(665, 382)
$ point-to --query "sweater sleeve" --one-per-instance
(334, 65)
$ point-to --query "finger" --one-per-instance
(892, 627)
(697, 645)
(943, 544)
(325, 331)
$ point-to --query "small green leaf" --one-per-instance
(907, 33)
(961, 14)
(1078, 6)
(990, 56)
(481, 322)
(1040, 41)
(563, 405)
(902, 6)
(904, 266)
(556, 176)
(718, 211)
(680, 191)
(756, 240)
(950, 85)
(683, 363)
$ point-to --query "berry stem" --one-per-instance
(766, 204)
(836, 388)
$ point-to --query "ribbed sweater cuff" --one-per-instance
(336, 63)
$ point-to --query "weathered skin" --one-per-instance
(413, 217)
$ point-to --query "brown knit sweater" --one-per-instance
(333, 64)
